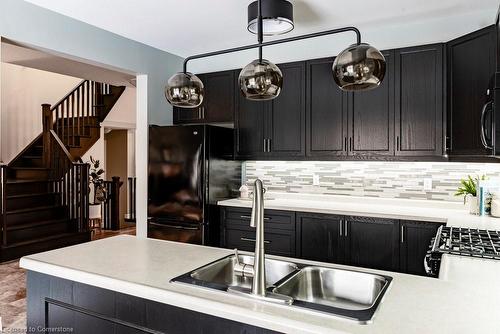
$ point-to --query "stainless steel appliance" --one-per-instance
(483, 244)
(190, 169)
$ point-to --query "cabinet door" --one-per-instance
(371, 116)
(415, 240)
(219, 97)
(372, 243)
(419, 101)
(471, 64)
(285, 125)
(318, 237)
(326, 112)
(249, 124)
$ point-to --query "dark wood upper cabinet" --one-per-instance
(471, 65)
(419, 101)
(326, 112)
(371, 116)
(372, 242)
(218, 105)
(249, 125)
(285, 119)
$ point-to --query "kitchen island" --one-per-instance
(465, 299)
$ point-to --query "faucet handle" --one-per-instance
(237, 256)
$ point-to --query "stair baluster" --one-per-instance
(3, 202)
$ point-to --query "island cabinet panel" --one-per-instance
(54, 302)
(218, 105)
(372, 242)
(371, 117)
(419, 100)
(319, 237)
(415, 240)
(326, 116)
(471, 64)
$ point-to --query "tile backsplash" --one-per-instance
(374, 178)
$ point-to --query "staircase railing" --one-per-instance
(78, 109)
(70, 179)
(3, 202)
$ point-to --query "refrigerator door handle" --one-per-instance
(178, 227)
(483, 116)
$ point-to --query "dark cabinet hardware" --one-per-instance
(249, 217)
(487, 107)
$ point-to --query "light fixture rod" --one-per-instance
(260, 32)
(274, 42)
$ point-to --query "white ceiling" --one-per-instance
(186, 27)
(21, 55)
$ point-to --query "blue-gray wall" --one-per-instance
(26, 23)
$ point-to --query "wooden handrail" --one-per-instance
(58, 103)
(63, 148)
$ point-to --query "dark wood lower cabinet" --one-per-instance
(372, 243)
(377, 243)
(319, 237)
(58, 303)
(415, 241)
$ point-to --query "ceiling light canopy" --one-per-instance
(359, 67)
(277, 17)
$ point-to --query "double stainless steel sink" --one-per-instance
(345, 293)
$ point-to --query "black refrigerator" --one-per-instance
(191, 167)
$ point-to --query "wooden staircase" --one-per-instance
(44, 190)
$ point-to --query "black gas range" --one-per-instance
(464, 242)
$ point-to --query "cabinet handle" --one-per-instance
(483, 136)
(350, 144)
(340, 225)
(397, 144)
(345, 144)
(265, 146)
(269, 145)
(253, 240)
(346, 228)
(202, 112)
(248, 217)
(402, 234)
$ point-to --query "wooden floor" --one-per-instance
(13, 288)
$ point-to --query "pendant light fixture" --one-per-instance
(261, 79)
(359, 67)
(277, 17)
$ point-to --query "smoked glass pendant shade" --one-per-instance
(359, 67)
(184, 90)
(260, 80)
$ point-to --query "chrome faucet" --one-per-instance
(257, 221)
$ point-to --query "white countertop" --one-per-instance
(465, 300)
(451, 213)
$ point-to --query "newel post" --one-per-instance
(47, 125)
(115, 204)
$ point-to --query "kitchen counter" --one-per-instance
(452, 213)
(466, 299)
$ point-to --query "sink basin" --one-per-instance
(344, 292)
(221, 273)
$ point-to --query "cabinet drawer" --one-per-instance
(275, 242)
(273, 219)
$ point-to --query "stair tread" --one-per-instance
(31, 157)
(29, 167)
(12, 181)
(30, 195)
(35, 208)
(44, 239)
(35, 224)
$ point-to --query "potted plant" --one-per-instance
(468, 190)
(97, 181)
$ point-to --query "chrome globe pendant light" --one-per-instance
(359, 67)
(261, 79)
